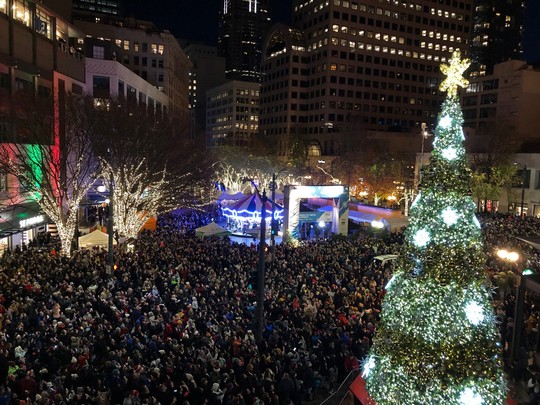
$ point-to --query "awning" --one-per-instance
(20, 217)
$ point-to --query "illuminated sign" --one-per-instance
(24, 223)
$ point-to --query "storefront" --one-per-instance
(20, 224)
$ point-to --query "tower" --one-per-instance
(243, 25)
(362, 66)
(497, 34)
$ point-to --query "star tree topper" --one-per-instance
(454, 74)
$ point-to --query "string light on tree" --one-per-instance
(437, 342)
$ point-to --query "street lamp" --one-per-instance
(101, 189)
(508, 255)
(523, 181)
(425, 134)
(273, 221)
(259, 310)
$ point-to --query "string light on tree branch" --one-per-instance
(437, 342)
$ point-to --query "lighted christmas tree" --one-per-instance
(437, 342)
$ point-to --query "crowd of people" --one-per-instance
(173, 324)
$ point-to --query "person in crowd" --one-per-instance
(174, 323)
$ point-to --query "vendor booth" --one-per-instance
(212, 229)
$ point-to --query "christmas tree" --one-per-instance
(437, 342)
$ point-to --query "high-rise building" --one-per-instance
(497, 36)
(208, 70)
(110, 7)
(232, 113)
(243, 25)
(347, 67)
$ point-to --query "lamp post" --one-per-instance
(523, 179)
(273, 220)
(110, 262)
(259, 310)
(425, 135)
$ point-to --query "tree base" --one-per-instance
(358, 389)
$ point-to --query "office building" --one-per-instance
(243, 25)
(232, 113)
(154, 55)
(497, 36)
(39, 57)
(507, 99)
(347, 67)
(108, 7)
(208, 71)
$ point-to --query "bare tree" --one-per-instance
(49, 153)
(151, 166)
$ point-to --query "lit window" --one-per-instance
(126, 45)
(42, 22)
(136, 47)
(3, 6)
(154, 48)
(335, 28)
(21, 12)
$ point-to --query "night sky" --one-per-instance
(198, 19)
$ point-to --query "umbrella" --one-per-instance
(250, 207)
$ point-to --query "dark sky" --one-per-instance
(194, 19)
(198, 19)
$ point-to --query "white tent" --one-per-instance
(212, 229)
(96, 238)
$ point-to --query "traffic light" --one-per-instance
(253, 282)
(275, 226)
